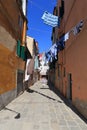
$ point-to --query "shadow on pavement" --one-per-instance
(31, 91)
(67, 102)
(18, 114)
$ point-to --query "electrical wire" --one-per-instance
(38, 30)
(33, 3)
(42, 9)
(39, 7)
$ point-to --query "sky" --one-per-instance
(36, 28)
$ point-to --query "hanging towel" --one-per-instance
(51, 19)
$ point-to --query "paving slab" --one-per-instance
(40, 108)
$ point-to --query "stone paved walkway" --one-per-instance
(39, 108)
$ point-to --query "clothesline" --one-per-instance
(52, 53)
(38, 6)
(83, 28)
(84, 21)
(33, 3)
(38, 30)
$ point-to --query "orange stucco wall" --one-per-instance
(76, 64)
(9, 64)
(74, 57)
(7, 71)
(10, 15)
(75, 53)
(10, 32)
(75, 10)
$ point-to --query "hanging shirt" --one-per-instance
(66, 36)
(36, 63)
(30, 67)
(78, 28)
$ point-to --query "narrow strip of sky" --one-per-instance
(37, 29)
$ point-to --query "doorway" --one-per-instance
(69, 87)
(19, 81)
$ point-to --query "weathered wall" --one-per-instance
(76, 65)
(75, 55)
(7, 97)
(11, 25)
(74, 12)
(11, 18)
(30, 45)
(73, 59)
(7, 64)
(51, 76)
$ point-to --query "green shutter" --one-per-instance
(23, 52)
(18, 48)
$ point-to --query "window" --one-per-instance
(61, 9)
(18, 48)
(19, 2)
(20, 21)
(58, 71)
(64, 72)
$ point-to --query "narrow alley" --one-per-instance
(39, 108)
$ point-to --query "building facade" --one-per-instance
(13, 24)
(70, 69)
(31, 70)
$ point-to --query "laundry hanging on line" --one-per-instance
(78, 28)
(60, 45)
(55, 48)
(50, 19)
